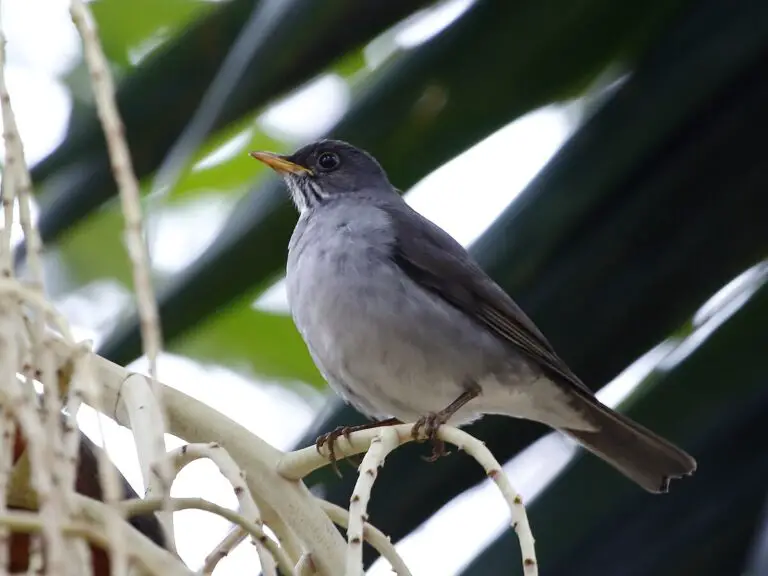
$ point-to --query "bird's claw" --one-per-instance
(430, 423)
(330, 438)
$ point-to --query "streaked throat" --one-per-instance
(305, 192)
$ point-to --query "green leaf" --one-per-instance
(264, 343)
(232, 171)
(130, 29)
(96, 250)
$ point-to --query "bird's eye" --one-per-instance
(328, 161)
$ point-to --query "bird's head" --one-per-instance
(324, 170)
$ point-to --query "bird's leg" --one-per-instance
(432, 421)
(331, 437)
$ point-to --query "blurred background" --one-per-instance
(604, 161)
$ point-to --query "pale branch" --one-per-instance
(18, 186)
(375, 537)
(15, 289)
(20, 399)
(381, 445)
(84, 388)
(519, 518)
(147, 423)
(26, 522)
(235, 537)
(142, 506)
(122, 167)
(55, 507)
(230, 470)
(287, 507)
(128, 189)
(305, 566)
(9, 184)
(49, 460)
(298, 464)
(141, 550)
(271, 475)
(82, 551)
(286, 536)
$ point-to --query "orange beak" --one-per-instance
(279, 163)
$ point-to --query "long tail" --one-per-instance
(634, 450)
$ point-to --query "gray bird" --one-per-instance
(406, 327)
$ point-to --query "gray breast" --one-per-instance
(383, 343)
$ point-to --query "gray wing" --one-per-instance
(439, 264)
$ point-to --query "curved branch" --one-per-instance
(147, 554)
(282, 502)
(382, 444)
(272, 476)
(138, 506)
(375, 537)
(493, 469)
(130, 200)
(148, 425)
(229, 469)
(297, 464)
(222, 550)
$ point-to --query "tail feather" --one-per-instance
(635, 451)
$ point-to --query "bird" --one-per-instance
(406, 327)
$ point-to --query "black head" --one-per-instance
(327, 169)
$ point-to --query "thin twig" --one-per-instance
(375, 537)
(147, 423)
(272, 476)
(298, 464)
(142, 506)
(286, 507)
(381, 445)
(235, 537)
(14, 288)
(230, 470)
(17, 173)
(20, 399)
(42, 446)
(85, 388)
(128, 187)
(519, 519)
(19, 182)
(149, 557)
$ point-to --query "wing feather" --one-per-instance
(439, 264)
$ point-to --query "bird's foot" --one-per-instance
(431, 423)
(330, 438)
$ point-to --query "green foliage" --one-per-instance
(264, 343)
(234, 172)
(127, 27)
(95, 249)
